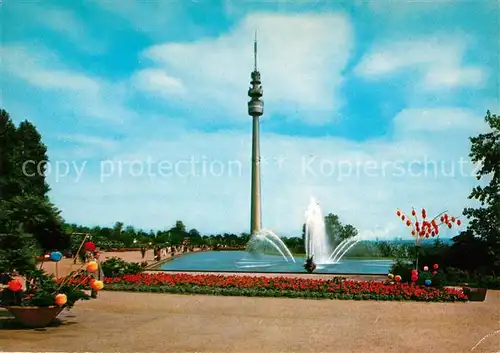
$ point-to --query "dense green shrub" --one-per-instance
(116, 267)
(402, 268)
(489, 282)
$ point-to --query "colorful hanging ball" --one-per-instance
(426, 268)
(92, 266)
(397, 278)
(436, 266)
(89, 246)
(96, 285)
(414, 278)
(61, 299)
(414, 272)
(55, 256)
(428, 282)
(15, 285)
(390, 275)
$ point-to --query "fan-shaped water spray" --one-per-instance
(266, 236)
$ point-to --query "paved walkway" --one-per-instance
(145, 322)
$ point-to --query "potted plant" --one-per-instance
(38, 301)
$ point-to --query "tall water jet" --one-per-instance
(317, 243)
(316, 240)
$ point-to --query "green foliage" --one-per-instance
(489, 282)
(40, 218)
(23, 189)
(32, 155)
(41, 290)
(485, 220)
(17, 248)
(402, 268)
(9, 173)
(116, 267)
(338, 231)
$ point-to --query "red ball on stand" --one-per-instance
(89, 246)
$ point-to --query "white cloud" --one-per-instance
(438, 61)
(301, 58)
(67, 24)
(438, 120)
(156, 81)
(60, 21)
(370, 181)
(152, 17)
(438, 78)
(41, 68)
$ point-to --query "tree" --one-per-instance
(17, 248)
(32, 160)
(348, 231)
(41, 219)
(485, 220)
(179, 226)
(336, 230)
(9, 173)
(24, 192)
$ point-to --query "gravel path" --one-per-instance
(145, 322)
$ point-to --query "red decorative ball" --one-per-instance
(435, 266)
(15, 285)
(449, 225)
(398, 213)
(89, 246)
(459, 222)
(414, 278)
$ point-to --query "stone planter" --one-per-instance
(475, 294)
(34, 316)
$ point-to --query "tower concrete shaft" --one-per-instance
(255, 110)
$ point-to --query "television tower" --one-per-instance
(255, 110)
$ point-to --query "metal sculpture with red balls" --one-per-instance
(423, 227)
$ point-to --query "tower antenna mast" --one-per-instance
(255, 52)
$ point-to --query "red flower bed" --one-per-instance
(336, 288)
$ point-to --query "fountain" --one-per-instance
(319, 251)
(318, 248)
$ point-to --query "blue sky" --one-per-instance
(368, 107)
